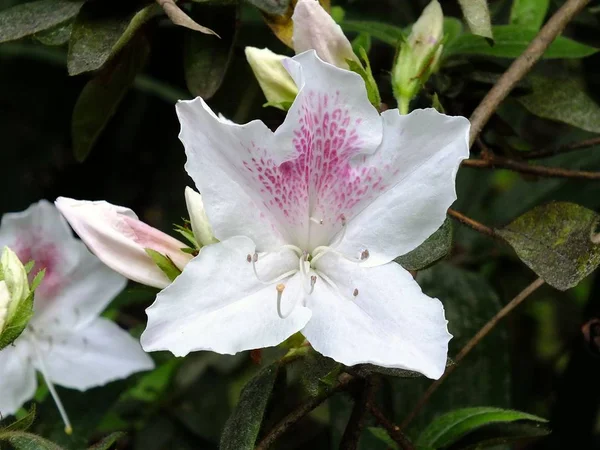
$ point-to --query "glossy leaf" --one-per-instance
(101, 96)
(429, 252)
(447, 429)
(206, 59)
(477, 16)
(529, 13)
(242, 427)
(29, 18)
(107, 442)
(564, 99)
(555, 241)
(510, 41)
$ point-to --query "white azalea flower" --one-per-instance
(66, 339)
(310, 218)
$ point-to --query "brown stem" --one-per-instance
(471, 345)
(357, 419)
(546, 152)
(295, 416)
(477, 226)
(499, 162)
(522, 65)
(393, 430)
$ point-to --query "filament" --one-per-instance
(254, 258)
(280, 288)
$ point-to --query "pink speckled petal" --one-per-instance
(94, 355)
(409, 183)
(17, 377)
(218, 304)
(315, 29)
(390, 322)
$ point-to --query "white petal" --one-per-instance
(390, 322)
(97, 354)
(83, 295)
(412, 184)
(119, 239)
(17, 377)
(218, 304)
(221, 158)
(315, 29)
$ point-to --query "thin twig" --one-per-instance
(522, 65)
(295, 416)
(477, 226)
(547, 152)
(471, 345)
(499, 162)
(393, 430)
(356, 422)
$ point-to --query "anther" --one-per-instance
(249, 258)
(364, 255)
(355, 293)
(280, 288)
(313, 281)
(255, 257)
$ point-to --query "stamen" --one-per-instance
(53, 393)
(323, 250)
(254, 258)
(280, 288)
(355, 293)
(328, 280)
(313, 281)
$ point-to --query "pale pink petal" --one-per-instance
(17, 377)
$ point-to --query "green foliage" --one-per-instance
(367, 75)
(21, 424)
(164, 263)
(510, 41)
(383, 436)
(21, 440)
(29, 18)
(102, 95)
(477, 16)
(563, 99)
(435, 247)
(271, 6)
(529, 13)
(107, 442)
(387, 33)
(242, 427)
(555, 241)
(462, 424)
(55, 36)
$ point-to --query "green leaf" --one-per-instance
(529, 13)
(271, 6)
(101, 30)
(429, 252)
(563, 99)
(384, 437)
(33, 17)
(164, 263)
(207, 58)
(21, 440)
(23, 423)
(108, 441)
(555, 241)
(449, 428)
(362, 41)
(510, 41)
(389, 34)
(367, 75)
(369, 369)
(18, 322)
(477, 16)
(243, 425)
(102, 95)
(315, 372)
(55, 36)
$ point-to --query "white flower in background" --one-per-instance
(314, 29)
(310, 218)
(66, 339)
(120, 239)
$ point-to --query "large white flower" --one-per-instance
(66, 339)
(310, 218)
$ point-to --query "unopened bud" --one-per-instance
(198, 219)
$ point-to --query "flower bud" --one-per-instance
(200, 225)
(419, 55)
(275, 82)
(15, 298)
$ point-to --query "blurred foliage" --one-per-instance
(86, 102)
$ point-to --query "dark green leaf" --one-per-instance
(510, 41)
(243, 425)
(271, 6)
(33, 17)
(564, 99)
(554, 240)
(315, 369)
(429, 252)
(449, 428)
(101, 30)
(367, 75)
(164, 263)
(477, 16)
(107, 442)
(21, 440)
(101, 96)
(206, 58)
(363, 40)
(529, 13)
(389, 34)
(384, 437)
(23, 423)
(55, 36)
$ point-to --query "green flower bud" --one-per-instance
(419, 55)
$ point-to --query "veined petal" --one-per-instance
(315, 29)
(17, 377)
(389, 322)
(119, 239)
(219, 304)
(408, 184)
(95, 355)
